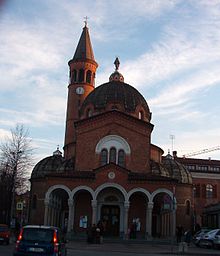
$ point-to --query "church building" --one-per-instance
(110, 170)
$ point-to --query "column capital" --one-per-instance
(70, 202)
(126, 204)
(150, 205)
(94, 203)
(46, 201)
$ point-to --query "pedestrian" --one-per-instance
(93, 233)
(179, 233)
(101, 233)
(188, 237)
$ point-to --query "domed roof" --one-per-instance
(158, 169)
(52, 164)
(47, 165)
(115, 92)
(177, 170)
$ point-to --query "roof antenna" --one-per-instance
(172, 137)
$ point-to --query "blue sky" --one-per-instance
(169, 50)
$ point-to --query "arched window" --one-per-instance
(88, 112)
(104, 157)
(74, 75)
(112, 157)
(187, 207)
(209, 191)
(81, 75)
(121, 158)
(34, 202)
(88, 76)
(141, 115)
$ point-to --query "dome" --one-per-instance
(158, 169)
(52, 164)
(177, 170)
(116, 95)
(47, 165)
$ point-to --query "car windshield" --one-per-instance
(38, 234)
(3, 229)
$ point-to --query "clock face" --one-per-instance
(79, 90)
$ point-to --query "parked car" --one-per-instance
(40, 240)
(216, 241)
(4, 233)
(199, 235)
(208, 239)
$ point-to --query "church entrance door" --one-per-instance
(110, 214)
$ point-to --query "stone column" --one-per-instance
(150, 206)
(126, 209)
(70, 215)
(46, 205)
(94, 211)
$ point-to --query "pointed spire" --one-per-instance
(84, 47)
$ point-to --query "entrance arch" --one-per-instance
(163, 218)
(110, 200)
(56, 206)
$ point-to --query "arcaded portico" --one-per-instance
(100, 198)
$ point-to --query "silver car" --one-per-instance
(216, 241)
(208, 239)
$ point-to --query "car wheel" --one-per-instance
(210, 245)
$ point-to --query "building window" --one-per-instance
(74, 75)
(112, 156)
(81, 75)
(209, 191)
(187, 207)
(214, 168)
(191, 167)
(88, 76)
(104, 157)
(202, 168)
(196, 190)
(89, 113)
(121, 158)
(141, 115)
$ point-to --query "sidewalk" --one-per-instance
(141, 247)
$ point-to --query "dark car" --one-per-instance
(40, 240)
(4, 233)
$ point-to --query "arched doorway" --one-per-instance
(57, 209)
(162, 222)
(110, 204)
(82, 211)
(137, 215)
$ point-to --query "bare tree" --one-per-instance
(16, 156)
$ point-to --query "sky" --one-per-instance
(169, 50)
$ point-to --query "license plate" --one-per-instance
(1, 239)
(34, 249)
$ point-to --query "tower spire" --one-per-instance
(84, 48)
(81, 82)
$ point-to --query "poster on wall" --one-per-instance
(83, 221)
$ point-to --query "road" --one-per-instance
(117, 249)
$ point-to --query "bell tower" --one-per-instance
(81, 82)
